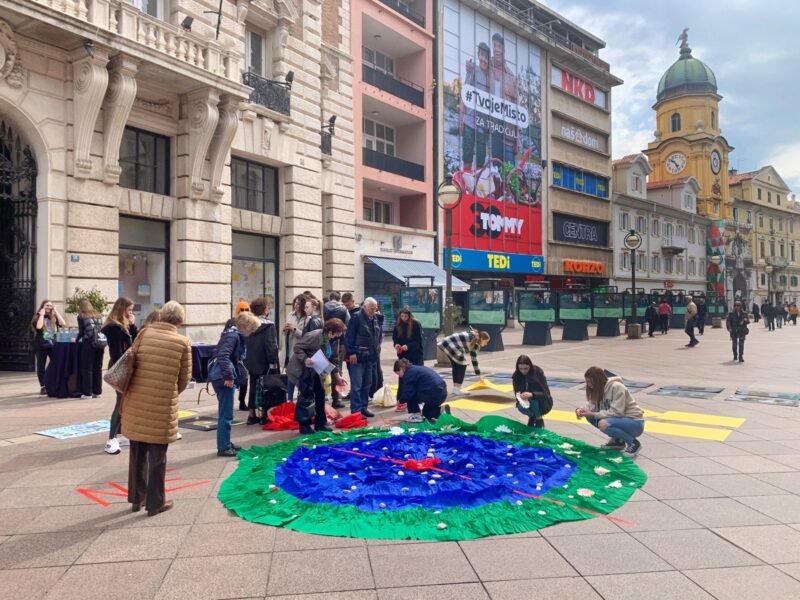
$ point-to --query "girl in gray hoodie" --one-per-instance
(611, 408)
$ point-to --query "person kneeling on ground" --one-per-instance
(531, 391)
(612, 409)
(420, 385)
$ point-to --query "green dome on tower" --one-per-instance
(687, 75)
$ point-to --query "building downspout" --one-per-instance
(437, 155)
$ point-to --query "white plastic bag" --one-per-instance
(385, 396)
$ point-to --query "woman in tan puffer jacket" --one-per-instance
(150, 406)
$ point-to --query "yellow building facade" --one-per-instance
(688, 140)
(761, 200)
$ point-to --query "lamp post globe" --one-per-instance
(448, 195)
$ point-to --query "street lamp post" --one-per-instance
(632, 242)
(769, 269)
(716, 320)
(448, 195)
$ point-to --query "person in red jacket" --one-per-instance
(664, 314)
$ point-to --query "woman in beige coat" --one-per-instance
(150, 406)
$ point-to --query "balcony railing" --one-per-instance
(406, 91)
(673, 244)
(777, 262)
(404, 10)
(124, 19)
(275, 95)
(392, 164)
(326, 143)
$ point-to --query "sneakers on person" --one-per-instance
(401, 406)
(446, 409)
(337, 404)
(632, 449)
(230, 452)
(456, 393)
(85, 397)
(180, 436)
(123, 441)
(253, 420)
(614, 444)
(112, 446)
(95, 395)
(367, 413)
(43, 391)
(415, 418)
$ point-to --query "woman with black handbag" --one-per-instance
(120, 330)
(45, 323)
(311, 397)
(261, 356)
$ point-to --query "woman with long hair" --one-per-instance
(45, 324)
(150, 410)
(120, 330)
(262, 353)
(90, 357)
(531, 391)
(407, 337)
(611, 408)
(293, 330)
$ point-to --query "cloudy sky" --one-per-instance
(751, 46)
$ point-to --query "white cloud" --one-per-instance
(786, 160)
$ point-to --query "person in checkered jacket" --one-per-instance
(457, 346)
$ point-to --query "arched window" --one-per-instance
(713, 120)
(675, 121)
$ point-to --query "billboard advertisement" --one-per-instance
(492, 140)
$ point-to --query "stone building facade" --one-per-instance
(177, 155)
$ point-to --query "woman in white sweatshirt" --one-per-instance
(611, 408)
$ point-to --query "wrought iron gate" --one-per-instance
(18, 206)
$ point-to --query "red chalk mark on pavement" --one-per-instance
(122, 492)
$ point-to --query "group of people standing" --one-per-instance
(775, 315)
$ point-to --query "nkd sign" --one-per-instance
(575, 86)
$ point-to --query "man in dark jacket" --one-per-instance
(261, 354)
(702, 313)
(420, 384)
(651, 316)
(334, 309)
(768, 311)
(736, 323)
(756, 312)
(362, 342)
(350, 303)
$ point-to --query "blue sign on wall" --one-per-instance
(495, 262)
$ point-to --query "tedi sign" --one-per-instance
(575, 86)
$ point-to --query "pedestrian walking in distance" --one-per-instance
(664, 314)
(651, 316)
(691, 317)
(736, 323)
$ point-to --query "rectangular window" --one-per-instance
(759, 193)
(144, 158)
(656, 263)
(377, 211)
(624, 221)
(255, 53)
(679, 266)
(702, 267)
(255, 186)
(378, 61)
(668, 262)
(780, 224)
(656, 227)
(762, 251)
(760, 221)
(581, 181)
(688, 202)
(641, 225)
(736, 214)
(641, 261)
(769, 197)
(791, 252)
(692, 267)
(772, 247)
(771, 225)
(143, 264)
(763, 279)
(691, 235)
(378, 137)
(636, 183)
(154, 8)
(254, 270)
(625, 260)
(749, 217)
(778, 199)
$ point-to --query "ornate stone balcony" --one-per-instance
(171, 42)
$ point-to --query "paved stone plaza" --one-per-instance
(716, 519)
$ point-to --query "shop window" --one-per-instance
(144, 158)
(379, 137)
(255, 186)
(675, 122)
(143, 264)
(581, 181)
(377, 211)
(254, 270)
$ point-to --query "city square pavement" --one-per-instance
(719, 516)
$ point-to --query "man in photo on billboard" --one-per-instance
(472, 127)
(504, 85)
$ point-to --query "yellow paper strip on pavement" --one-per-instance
(690, 431)
(488, 385)
(701, 419)
(182, 414)
(480, 406)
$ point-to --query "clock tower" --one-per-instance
(688, 139)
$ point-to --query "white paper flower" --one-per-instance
(503, 429)
(617, 459)
(335, 477)
(541, 512)
(401, 473)
(441, 526)
(615, 484)
(585, 492)
(382, 505)
(272, 486)
(353, 487)
(313, 471)
(396, 430)
(321, 473)
(601, 471)
(403, 489)
(273, 501)
(470, 466)
(565, 445)
(306, 458)
(518, 502)
(431, 482)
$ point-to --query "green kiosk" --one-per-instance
(607, 312)
(575, 312)
(426, 305)
(537, 310)
(486, 311)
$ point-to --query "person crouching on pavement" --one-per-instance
(531, 391)
(736, 324)
(457, 346)
(612, 409)
(420, 385)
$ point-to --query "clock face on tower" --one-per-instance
(716, 162)
(676, 162)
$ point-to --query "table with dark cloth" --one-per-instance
(61, 375)
(201, 354)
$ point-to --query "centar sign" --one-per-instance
(588, 267)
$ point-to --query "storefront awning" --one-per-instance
(416, 272)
